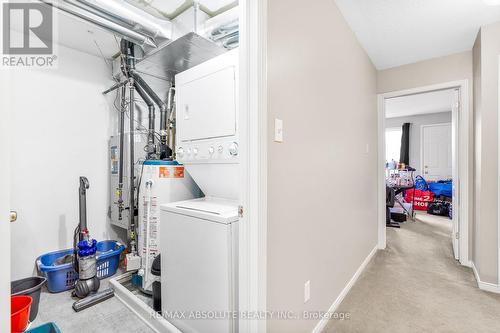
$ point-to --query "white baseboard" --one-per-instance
(323, 322)
(486, 286)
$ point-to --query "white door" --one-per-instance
(4, 206)
(437, 151)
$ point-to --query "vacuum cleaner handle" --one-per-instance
(84, 183)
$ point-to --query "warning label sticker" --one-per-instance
(171, 172)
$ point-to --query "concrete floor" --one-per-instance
(109, 316)
(415, 285)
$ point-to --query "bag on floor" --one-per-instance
(398, 217)
(441, 188)
(421, 184)
(422, 199)
(439, 208)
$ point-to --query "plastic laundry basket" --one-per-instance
(31, 286)
(19, 312)
(62, 277)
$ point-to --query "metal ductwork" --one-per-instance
(119, 17)
(138, 20)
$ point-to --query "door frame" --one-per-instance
(5, 84)
(463, 160)
(253, 163)
(422, 141)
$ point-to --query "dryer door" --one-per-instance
(206, 106)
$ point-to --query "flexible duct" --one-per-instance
(170, 120)
(99, 20)
(139, 20)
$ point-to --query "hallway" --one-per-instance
(415, 285)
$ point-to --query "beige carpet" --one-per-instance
(415, 285)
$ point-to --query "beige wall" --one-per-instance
(486, 53)
(323, 87)
(424, 73)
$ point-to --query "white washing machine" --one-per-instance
(200, 265)
(199, 238)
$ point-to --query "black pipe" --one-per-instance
(149, 91)
(114, 87)
(165, 151)
(130, 67)
(151, 119)
(132, 159)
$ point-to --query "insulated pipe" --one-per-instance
(170, 98)
(170, 112)
(128, 34)
(100, 13)
(138, 20)
(151, 119)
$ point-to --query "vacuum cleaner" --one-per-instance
(84, 259)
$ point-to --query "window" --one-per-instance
(393, 143)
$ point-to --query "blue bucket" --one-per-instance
(45, 328)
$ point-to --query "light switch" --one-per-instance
(278, 130)
(307, 291)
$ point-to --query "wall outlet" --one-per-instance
(307, 291)
(278, 130)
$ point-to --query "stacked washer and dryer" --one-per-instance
(199, 237)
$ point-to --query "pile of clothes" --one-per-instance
(434, 197)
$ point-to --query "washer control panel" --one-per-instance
(220, 150)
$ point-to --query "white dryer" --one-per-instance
(199, 238)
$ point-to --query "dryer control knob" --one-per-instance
(220, 149)
(233, 149)
(180, 152)
(211, 150)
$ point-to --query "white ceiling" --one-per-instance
(172, 8)
(398, 32)
(431, 102)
